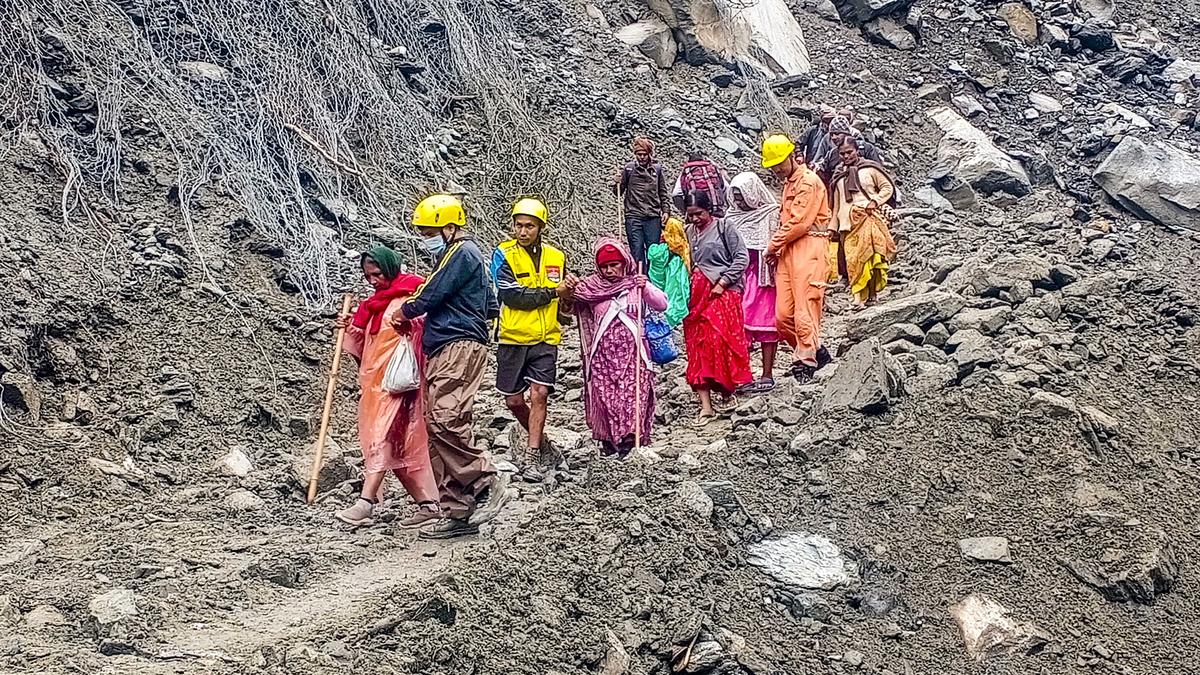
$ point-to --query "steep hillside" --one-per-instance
(186, 188)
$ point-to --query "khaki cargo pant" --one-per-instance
(462, 471)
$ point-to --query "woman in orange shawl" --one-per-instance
(391, 427)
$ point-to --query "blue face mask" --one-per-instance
(435, 245)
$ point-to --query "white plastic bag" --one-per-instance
(401, 375)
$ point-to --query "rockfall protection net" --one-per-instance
(280, 103)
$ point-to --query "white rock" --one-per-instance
(235, 463)
(1053, 405)
(988, 631)
(1043, 103)
(1157, 181)
(204, 71)
(1182, 70)
(45, 615)
(967, 105)
(653, 38)
(692, 498)
(1118, 110)
(985, 549)
(1101, 10)
(802, 559)
(243, 500)
(112, 607)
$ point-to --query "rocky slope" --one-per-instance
(1015, 422)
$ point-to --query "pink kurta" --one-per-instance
(391, 427)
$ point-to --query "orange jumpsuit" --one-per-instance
(802, 246)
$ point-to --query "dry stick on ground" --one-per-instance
(333, 373)
(307, 138)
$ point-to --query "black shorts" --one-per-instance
(517, 366)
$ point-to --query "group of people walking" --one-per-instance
(742, 268)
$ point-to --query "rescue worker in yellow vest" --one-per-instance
(533, 288)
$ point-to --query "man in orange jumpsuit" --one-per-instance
(801, 248)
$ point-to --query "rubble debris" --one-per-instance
(1134, 563)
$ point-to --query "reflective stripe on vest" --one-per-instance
(529, 327)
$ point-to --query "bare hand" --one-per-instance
(342, 322)
(564, 291)
(666, 215)
(871, 206)
(717, 290)
(402, 325)
(571, 281)
(640, 281)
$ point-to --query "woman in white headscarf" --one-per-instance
(754, 211)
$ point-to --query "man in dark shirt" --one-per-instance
(839, 130)
(457, 302)
(642, 188)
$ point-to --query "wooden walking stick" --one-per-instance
(333, 373)
(637, 369)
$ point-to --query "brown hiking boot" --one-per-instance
(423, 514)
(449, 528)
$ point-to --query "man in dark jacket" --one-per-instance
(839, 130)
(642, 188)
(457, 302)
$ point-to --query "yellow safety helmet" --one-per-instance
(775, 149)
(530, 206)
(439, 211)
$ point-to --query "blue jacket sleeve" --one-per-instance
(447, 277)
(513, 294)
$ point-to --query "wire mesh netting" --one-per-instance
(278, 103)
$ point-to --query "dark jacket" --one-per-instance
(815, 144)
(457, 299)
(866, 149)
(645, 190)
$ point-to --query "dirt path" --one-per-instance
(342, 600)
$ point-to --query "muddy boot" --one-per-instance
(803, 373)
(491, 499)
(824, 358)
(449, 528)
(361, 513)
(424, 513)
(531, 466)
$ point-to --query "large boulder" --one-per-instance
(968, 154)
(653, 38)
(867, 380)
(1006, 273)
(1156, 181)
(922, 309)
(761, 34)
